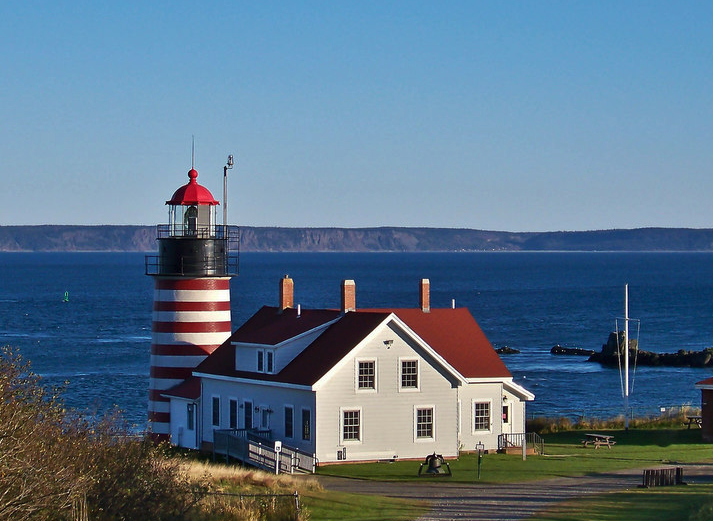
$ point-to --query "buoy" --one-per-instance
(66, 296)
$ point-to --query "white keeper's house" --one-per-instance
(353, 384)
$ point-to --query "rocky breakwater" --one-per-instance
(572, 351)
(609, 355)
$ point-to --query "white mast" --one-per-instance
(626, 357)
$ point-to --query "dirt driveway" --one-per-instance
(455, 501)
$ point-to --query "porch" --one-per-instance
(512, 443)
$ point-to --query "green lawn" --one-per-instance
(564, 456)
(694, 503)
(328, 506)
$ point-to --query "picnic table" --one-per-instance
(695, 420)
(598, 440)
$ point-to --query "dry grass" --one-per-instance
(671, 418)
(233, 476)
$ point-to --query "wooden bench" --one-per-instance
(598, 440)
(695, 420)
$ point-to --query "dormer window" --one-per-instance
(265, 361)
(270, 361)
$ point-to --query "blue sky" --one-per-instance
(520, 116)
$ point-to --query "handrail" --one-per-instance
(515, 440)
(256, 448)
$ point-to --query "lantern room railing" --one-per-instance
(204, 251)
(216, 231)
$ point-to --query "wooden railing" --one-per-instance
(258, 449)
(533, 439)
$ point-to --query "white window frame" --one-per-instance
(231, 400)
(417, 388)
(247, 401)
(416, 438)
(284, 422)
(356, 375)
(460, 416)
(213, 398)
(269, 362)
(191, 416)
(260, 361)
(509, 418)
(311, 427)
(474, 401)
(264, 415)
(343, 441)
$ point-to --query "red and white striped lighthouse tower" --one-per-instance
(191, 305)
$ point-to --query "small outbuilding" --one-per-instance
(706, 387)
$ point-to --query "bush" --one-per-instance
(54, 463)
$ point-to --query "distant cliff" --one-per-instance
(142, 238)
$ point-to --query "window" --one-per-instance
(264, 417)
(270, 361)
(506, 414)
(367, 375)
(248, 415)
(233, 413)
(289, 421)
(409, 374)
(424, 423)
(216, 411)
(306, 425)
(481, 416)
(351, 425)
(190, 416)
(260, 361)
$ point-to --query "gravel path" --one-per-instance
(455, 501)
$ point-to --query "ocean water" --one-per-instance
(99, 341)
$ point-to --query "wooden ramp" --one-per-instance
(256, 448)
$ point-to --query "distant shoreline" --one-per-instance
(134, 238)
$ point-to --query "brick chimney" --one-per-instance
(425, 295)
(348, 296)
(287, 293)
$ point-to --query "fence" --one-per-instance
(257, 448)
(268, 506)
(663, 477)
(515, 440)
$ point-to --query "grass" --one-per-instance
(318, 504)
(694, 502)
(565, 456)
(359, 507)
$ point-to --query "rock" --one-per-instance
(609, 355)
(576, 351)
(505, 350)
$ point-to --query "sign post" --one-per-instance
(480, 448)
(278, 449)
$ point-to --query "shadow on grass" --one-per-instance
(565, 457)
(670, 503)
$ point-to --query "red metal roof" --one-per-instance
(192, 193)
(456, 336)
(269, 326)
(190, 388)
(452, 333)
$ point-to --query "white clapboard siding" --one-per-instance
(387, 415)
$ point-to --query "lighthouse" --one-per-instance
(191, 306)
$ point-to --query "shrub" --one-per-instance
(53, 461)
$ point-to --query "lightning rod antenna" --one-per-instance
(193, 152)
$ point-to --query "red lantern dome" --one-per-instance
(192, 193)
